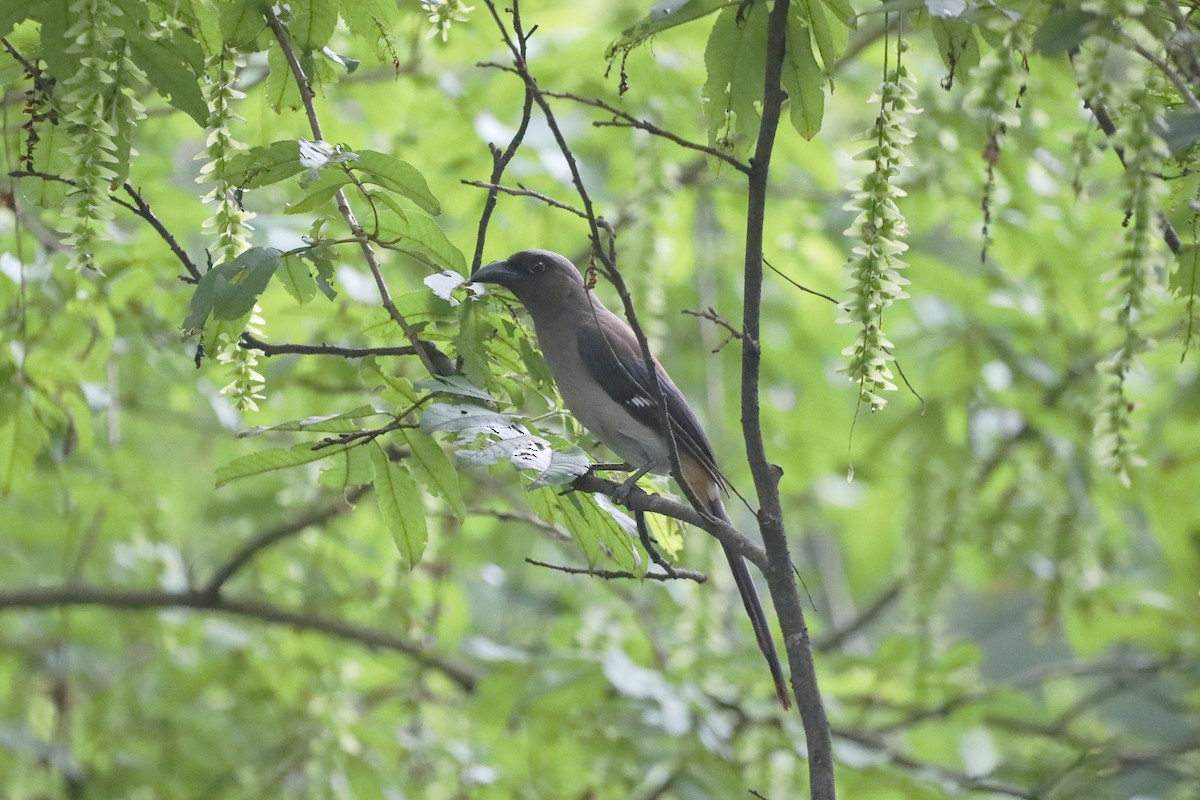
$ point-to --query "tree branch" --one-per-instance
(343, 204)
(607, 574)
(780, 578)
(626, 120)
(116, 599)
(316, 515)
(251, 342)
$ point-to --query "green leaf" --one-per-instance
(12, 12)
(320, 191)
(803, 80)
(241, 23)
(346, 469)
(420, 237)
(264, 165)
(736, 62)
(843, 12)
(433, 468)
(1063, 31)
(329, 423)
(1184, 280)
(168, 70)
(398, 176)
(207, 25)
(831, 37)
(281, 90)
(22, 437)
(274, 460)
(958, 45)
(401, 507)
(374, 22)
(453, 384)
(1181, 129)
(241, 281)
(313, 22)
(297, 279)
(416, 307)
(664, 15)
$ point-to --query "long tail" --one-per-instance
(758, 618)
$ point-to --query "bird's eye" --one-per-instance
(537, 267)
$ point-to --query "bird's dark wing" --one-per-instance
(620, 369)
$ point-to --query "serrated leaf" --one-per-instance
(241, 22)
(1063, 31)
(264, 165)
(274, 460)
(664, 15)
(400, 506)
(323, 264)
(803, 80)
(313, 22)
(399, 176)
(348, 468)
(206, 25)
(735, 59)
(374, 22)
(453, 384)
(433, 468)
(374, 376)
(172, 76)
(328, 423)
(297, 279)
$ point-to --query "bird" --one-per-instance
(597, 364)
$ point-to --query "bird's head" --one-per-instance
(541, 280)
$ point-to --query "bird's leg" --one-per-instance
(621, 493)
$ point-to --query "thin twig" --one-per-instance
(139, 207)
(799, 286)
(362, 437)
(608, 575)
(251, 342)
(521, 191)
(116, 599)
(833, 639)
(500, 161)
(627, 120)
(317, 515)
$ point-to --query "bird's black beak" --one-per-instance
(498, 272)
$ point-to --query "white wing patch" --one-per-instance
(640, 401)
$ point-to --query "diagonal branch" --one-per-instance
(317, 515)
(307, 99)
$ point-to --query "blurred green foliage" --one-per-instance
(1033, 622)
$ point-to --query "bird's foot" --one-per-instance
(620, 495)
